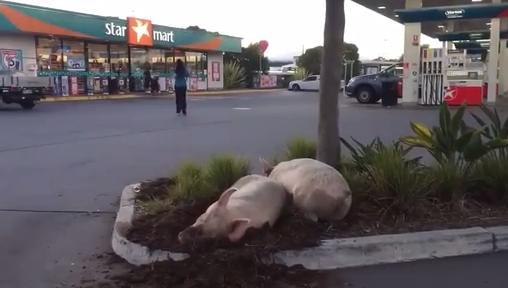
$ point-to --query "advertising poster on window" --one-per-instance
(162, 84)
(170, 83)
(90, 85)
(216, 71)
(11, 61)
(193, 84)
(57, 86)
(65, 86)
(76, 63)
(74, 86)
(268, 81)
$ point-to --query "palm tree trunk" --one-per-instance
(328, 150)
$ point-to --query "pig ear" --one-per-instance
(238, 229)
(224, 198)
(267, 166)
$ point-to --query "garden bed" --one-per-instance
(222, 264)
(293, 231)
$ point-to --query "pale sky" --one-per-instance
(288, 25)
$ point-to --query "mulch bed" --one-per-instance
(223, 268)
(222, 264)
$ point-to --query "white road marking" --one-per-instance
(242, 108)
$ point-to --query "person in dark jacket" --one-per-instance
(181, 76)
(147, 77)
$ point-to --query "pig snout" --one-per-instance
(189, 234)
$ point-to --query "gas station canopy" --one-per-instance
(468, 35)
(465, 69)
(453, 13)
(436, 10)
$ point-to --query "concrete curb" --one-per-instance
(51, 99)
(500, 237)
(384, 249)
(231, 92)
(334, 253)
(153, 96)
(133, 253)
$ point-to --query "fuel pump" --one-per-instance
(433, 76)
(466, 72)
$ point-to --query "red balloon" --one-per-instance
(263, 45)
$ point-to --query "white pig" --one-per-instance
(252, 201)
(318, 190)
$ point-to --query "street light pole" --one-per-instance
(260, 63)
(345, 73)
(260, 66)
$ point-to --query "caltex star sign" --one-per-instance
(140, 32)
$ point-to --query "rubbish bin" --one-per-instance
(390, 93)
(114, 88)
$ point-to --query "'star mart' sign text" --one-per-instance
(139, 32)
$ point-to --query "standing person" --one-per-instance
(147, 77)
(181, 87)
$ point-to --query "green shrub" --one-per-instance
(398, 183)
(456, 148)
(363, 154)
(450, 181)
(191, 183)
(452, 142)
(491, 178)
(356, 180)
(300, 148)
(223, 171)
(495, 129)
(156, 206)
(392, 180)
(234, 75)
(196, 182)
(155, 189)
(300, 74)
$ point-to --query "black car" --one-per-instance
(368, 88)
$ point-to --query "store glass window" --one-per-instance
(196, 63)
(203, 63)
(139, 61)
(98, 58)
(74, 55)
(119, 58)
(191, 59)
(179, 55)
(170, 61)
(157, 60)
(49, 54)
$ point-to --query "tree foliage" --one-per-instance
(234, 75)
(248, 59)
(311, 59)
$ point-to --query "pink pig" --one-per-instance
(318, 190)
(251, 202)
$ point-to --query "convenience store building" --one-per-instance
(90, 54)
